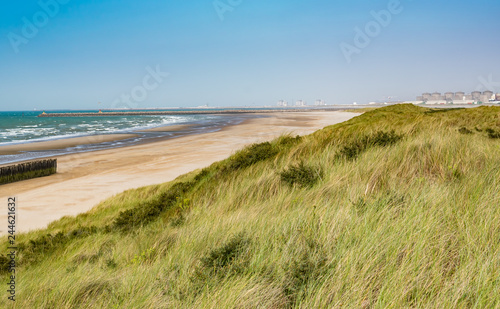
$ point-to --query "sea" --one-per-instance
(21, 127)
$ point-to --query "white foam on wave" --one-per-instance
(35, 133)
(43, 139)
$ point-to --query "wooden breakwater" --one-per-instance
(27, 170)
(182, 112)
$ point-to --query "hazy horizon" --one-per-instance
(124, 54)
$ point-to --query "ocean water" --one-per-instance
(25, 127)
(21, 127)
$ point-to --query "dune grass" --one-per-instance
(395, 208)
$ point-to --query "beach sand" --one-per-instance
(85, 179)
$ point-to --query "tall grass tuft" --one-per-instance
(492, 133)
(301, 175)
(151, 210)
(250, 155)
(221, 262)
(355, 147)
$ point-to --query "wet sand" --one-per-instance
(85, 179)
(172, 128)
(63, 143)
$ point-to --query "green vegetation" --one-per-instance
(249, 156)
(492, 133)
(149, 211)
(302, 175)
(221, 262)
(396, 208)
(464, 130)
(358, 145)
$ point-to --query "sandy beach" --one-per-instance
(83, 180)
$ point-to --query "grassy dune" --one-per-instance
(396, 208)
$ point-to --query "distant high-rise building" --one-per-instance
(488, 94)
(300, 103)
(476, 95)
(448, 96)
(459, 96)
(436, 96)
(319, 103)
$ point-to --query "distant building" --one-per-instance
(488, 96)
(319, 103)
(300, 103)
(458, 97)
(436, 96)
(449, 96)
(282, 103)
(476, 95)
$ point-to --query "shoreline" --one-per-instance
(85, 179)
(36, 150)
(62, 143)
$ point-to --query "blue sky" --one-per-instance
(240, 52)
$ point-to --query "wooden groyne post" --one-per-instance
(27, 170)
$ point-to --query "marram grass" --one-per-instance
(399, 209)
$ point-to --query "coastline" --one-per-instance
(15, 153)
(85, 179)
(63, 143)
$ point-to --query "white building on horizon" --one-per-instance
(474, 97)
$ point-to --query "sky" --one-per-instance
(90, 54)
